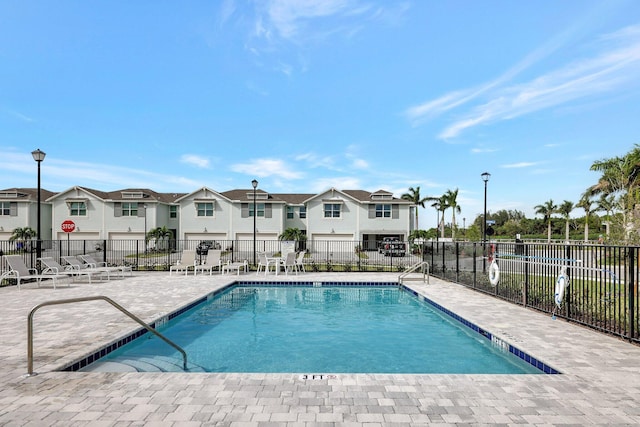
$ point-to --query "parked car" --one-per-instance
(204, 246)
(392, 246)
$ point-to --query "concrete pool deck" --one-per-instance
(599, 384)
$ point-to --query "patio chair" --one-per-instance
(300, 262)
(264, 263)
(53, 267)
(211, 261)
(79, 265)
(290, 263)
(19, 271)
(186, 262)
(91, 262)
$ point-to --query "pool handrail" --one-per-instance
(413, 268)
(92, 298)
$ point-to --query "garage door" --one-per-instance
(331, 243)
(76, 235)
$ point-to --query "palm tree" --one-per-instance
(585, 203)
(452, 202)
(436, 205)
(414, 197)
(565, 210)
(441, 204)
(607, 204)
(159, 234)
(546, 210)
(22, 234)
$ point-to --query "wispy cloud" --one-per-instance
(195, 160)
(19, 116)
(613, 68)
(519, 165)
(267, 168)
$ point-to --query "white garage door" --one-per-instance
(331, 243)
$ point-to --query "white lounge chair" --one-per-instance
(235, 266)
(79, 265)
(300, 262)
(211, 261)
(187, 262)
(19, 271)
(90, 261)
(53, 267)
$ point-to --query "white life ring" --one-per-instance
(561, 284)
(494, 273)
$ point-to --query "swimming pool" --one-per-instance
(333, 328)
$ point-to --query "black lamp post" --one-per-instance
(254, 183)
(38, 156)
(485, 177)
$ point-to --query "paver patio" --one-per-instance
(600, 384)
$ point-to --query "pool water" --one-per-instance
(328, 329)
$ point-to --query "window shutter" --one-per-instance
(117, 209)
(244, 210)
(267, 210)
(372, 211)
(395, 211)
(13, 209)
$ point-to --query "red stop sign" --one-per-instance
(68, 226)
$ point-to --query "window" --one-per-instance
(290, 212)
(77, 209)
(5, 208)
(205, 209)
(129, 209)
(383, 211)
(173, 211)
(303, 212)
(332, 210)
(259, 209)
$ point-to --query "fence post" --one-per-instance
(632, 293)
(475, 264)
(525, 284)
(457, 248)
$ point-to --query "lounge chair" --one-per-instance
(54, 267)
(300, 261)
(235, 266)
(90, 261)
(211, 261)
(19, 271)
(79, 265)
(187, 262)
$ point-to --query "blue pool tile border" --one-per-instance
(77, 365)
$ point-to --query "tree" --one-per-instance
(620, 179)
(21, 235)
(585, 203)
(546, 210)
(452, 202)
(565, 210)
(293, 234)
(159, 235)
(443, 203)
(414, 197)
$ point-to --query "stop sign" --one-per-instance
(68, 226)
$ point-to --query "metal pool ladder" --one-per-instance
(424, 265)
(93, 298)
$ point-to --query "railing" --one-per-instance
(423, 265)
(92, 298)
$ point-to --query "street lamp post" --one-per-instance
(485, 177)
(254, 183)
(38, 156)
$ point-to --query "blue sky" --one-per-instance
(306, 95)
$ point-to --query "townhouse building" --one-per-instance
(206, 214)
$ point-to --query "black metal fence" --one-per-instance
(602, 292)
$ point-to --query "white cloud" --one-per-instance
(195, 160)
(613, 68)
(519, 165)
(267, 168)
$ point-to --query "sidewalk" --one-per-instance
(600, 383)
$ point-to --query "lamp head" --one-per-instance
(485, 176)
(38, 155)
(254, 183)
